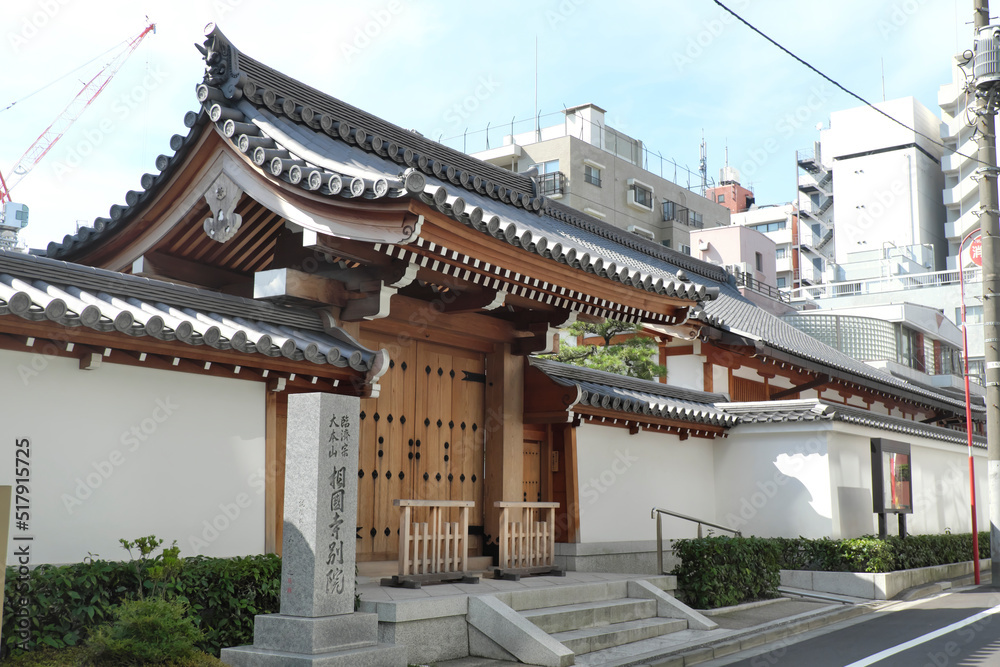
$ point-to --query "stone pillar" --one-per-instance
(317, 623)
(321, 505)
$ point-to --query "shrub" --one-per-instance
(144, 632)
(65, 602)
(723, 571)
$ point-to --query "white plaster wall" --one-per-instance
(686, 371)
(720, 379)
(622, 477)
(774, 482)
(851, 484)
(940, 475)
(123, 452)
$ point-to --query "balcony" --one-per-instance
(956, 229)
(808, 160)
(812, 186)
(966, 189)
(552, 184)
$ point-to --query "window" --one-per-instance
(674, 211)
(695, 219)
(782, 282)
(781, 252)
(759, 261)
(642, 196)
(973, 315)
(910, 346)
(639, 195)
(686, 249)
(592, 175)
(548, 167)
(721, 198)
(769, 226)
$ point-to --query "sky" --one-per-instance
(668, 72)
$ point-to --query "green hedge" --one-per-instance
(723, 571)
(65, 602)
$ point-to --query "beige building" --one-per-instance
(598, 170)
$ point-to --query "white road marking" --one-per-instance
(872, 659)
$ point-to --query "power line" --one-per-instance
(849, 92)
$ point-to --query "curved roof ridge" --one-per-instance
(582, 373)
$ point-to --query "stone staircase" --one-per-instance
(600, 624)
(596, 616)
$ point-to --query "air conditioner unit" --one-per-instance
(737, 269)
(641, 231)
(986, 57)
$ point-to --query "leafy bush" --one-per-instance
(723, 571)
(144, 632)
(64, 603)
(870, 554)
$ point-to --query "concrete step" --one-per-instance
(590, 614)
(381, 655)
(595, 639)
(666, 582)
(564, 595)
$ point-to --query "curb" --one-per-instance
(722, 611)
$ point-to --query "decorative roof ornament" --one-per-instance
(222, 197)
(222, 63)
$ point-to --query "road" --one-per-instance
(959, 629)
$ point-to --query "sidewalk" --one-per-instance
(765, 625)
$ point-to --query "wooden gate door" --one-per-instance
(535, 447)
(422, 438)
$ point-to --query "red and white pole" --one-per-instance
(977, 258)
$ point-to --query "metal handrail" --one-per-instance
(658, 512)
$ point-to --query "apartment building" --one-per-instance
(600, 171)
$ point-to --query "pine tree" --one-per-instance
(633, 356)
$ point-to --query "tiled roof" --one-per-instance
(638, 397)
(322, 145)
(817, 410)
(733, 312)
(38, 289)
(318, 143)
(120, 214)
(325, 146)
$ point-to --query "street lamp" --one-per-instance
(968, 404)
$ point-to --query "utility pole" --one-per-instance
(987, 171)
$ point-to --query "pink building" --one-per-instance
(749, 256)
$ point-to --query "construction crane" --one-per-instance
(14, 217)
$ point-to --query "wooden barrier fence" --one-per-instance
(434, 549)
(527, 541)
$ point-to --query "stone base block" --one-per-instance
(297, 634)
(380, 655)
